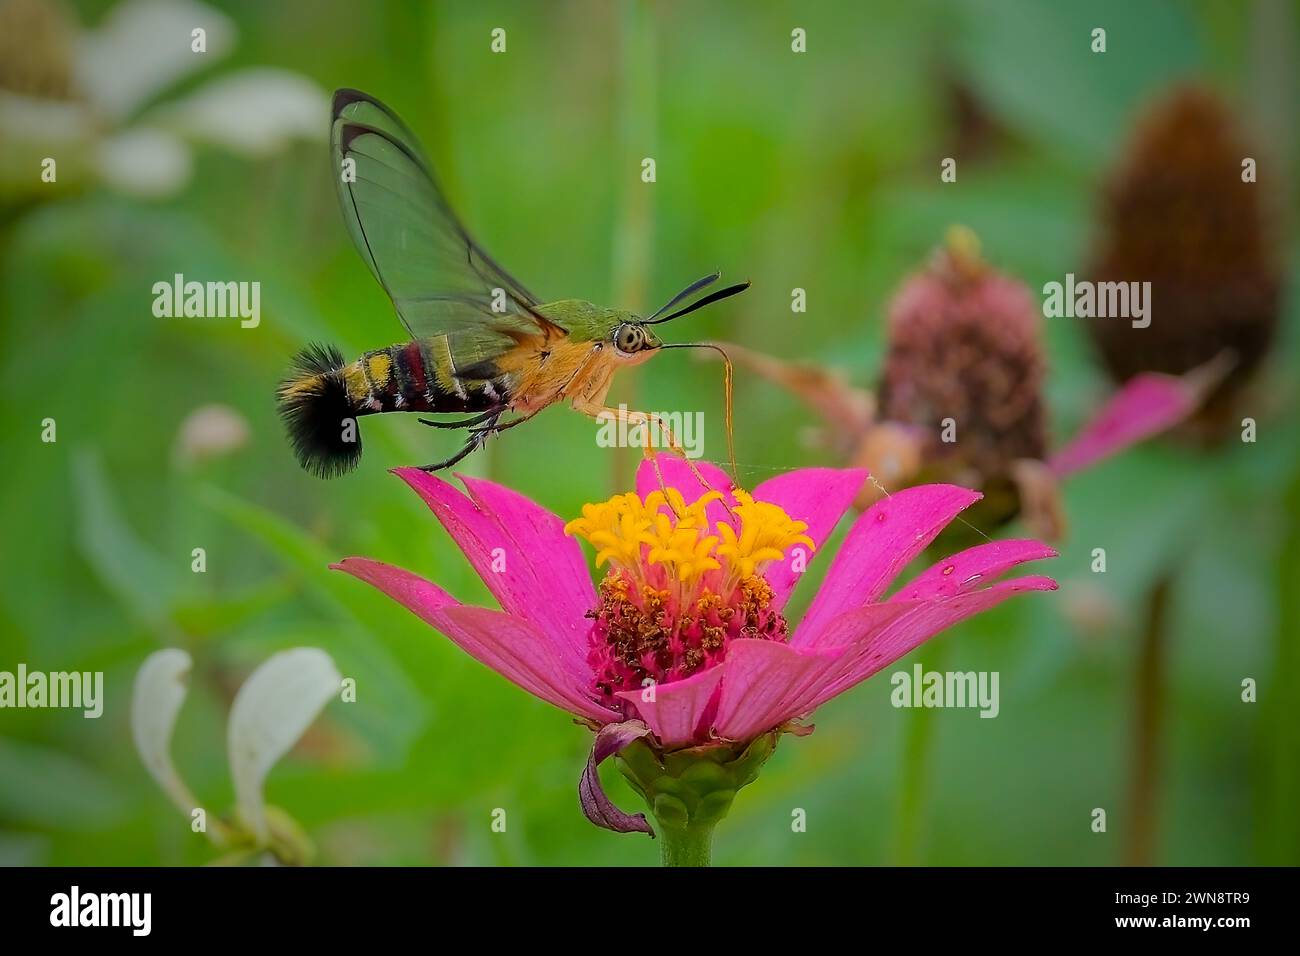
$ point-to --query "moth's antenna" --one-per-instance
(728, 380)
(701, 303)
(691, 289)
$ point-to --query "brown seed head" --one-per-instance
(1176, 213)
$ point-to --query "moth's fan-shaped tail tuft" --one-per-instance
(318, 413)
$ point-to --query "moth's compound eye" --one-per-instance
(629, 338)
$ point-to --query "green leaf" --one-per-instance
(129, 568)
(41, 787)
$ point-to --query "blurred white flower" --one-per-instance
(271, 711)
(144, 162)
(209, 432)
(82, 97)
(144, 46)
(160, 688)
(255, 112)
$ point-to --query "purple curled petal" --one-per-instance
(597, 807)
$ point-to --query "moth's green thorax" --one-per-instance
(588, 322)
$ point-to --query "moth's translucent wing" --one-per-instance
(441, 281)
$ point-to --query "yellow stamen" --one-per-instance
(616, 528)
(678, 539)
(766, 531)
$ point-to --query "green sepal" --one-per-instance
(288, 842)
(693, 788)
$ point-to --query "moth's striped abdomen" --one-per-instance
(422, 377)
(321, 401)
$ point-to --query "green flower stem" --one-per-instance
(686, 846)
(1147, 746)
(914, 770)
(1279, 824)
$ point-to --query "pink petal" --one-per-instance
(539, 536)
(1146, 406)
(882, 542)
(972, 568)
(763, 684)
(856, 626)
(526, 536)
(768, 683)
(876, 647)
(418, 595)
(513, 647)
(679, 707)
(677, 474)
(816, 496)
(518, 650)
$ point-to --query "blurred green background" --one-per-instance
(817, 171)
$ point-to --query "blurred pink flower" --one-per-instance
(684, 643)
(961, 398)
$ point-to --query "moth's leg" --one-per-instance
(632, 418)
(470, 446)
(494, 428)
(465, 422)
(592, 404)
(477, 439)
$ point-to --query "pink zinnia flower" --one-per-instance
(682, 655)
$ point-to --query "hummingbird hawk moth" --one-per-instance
(480, 345)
